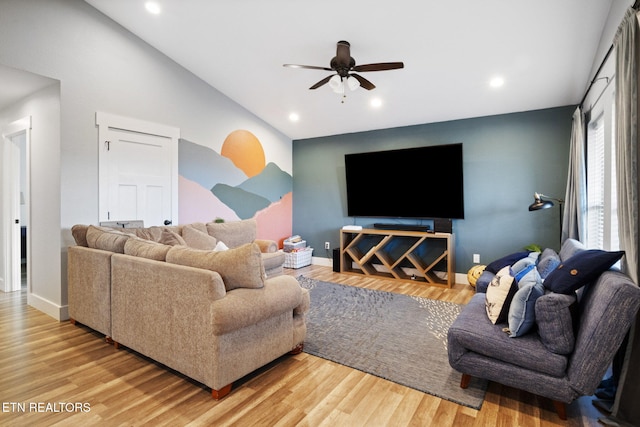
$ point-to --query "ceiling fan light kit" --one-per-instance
(345, 67)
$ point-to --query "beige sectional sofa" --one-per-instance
(214, 316)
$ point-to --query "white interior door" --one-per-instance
(15, 137)
(138, 172)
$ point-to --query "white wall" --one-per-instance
(45, 269)
(102, 67)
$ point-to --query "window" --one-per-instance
(602, 209)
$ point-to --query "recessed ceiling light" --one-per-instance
(376, 102)
(496, 82)
(153, 7)
(294, 117)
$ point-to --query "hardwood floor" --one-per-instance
(55, 373)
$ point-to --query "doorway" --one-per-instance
(16, 138)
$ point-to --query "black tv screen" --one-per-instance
(423, 182)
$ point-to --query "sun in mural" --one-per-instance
(245, 151)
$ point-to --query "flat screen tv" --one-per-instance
(423, 182)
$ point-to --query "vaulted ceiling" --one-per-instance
(544, 51)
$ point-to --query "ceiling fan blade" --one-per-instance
(381, 66)
(364, 83)
(308, 67)
(321, 82)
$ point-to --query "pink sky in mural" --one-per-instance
(275, 222)
(197, 204)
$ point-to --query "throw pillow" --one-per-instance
(548, 261)
(499, 295)
(171, 238)
(197, 239)
(220, 246)
(580, 269)
(241, 267)
(146, 249)
(510, 259)
(525, 262)
(554, 317)
(234, 233)
(522, 312)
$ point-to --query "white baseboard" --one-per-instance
(49, 308)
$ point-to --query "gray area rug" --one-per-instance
(397, 337)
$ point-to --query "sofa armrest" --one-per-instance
(267, 246)
(89, 287)
(243, 307)
(483, 282)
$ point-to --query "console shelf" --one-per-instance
(399, 254)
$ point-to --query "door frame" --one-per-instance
(11, 204)
(106, 121)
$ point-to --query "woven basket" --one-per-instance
(474, 273)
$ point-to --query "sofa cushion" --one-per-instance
(499, 295)
(569, 248)
(171, 238)
(241, 267)
(147, 234)
(510, 259)
(195, 238)
(146, 249)
(106, 239)
(548, 261)
(473, 331)
(522, 310)
(579, 270)
(234, 233)
(555, 320)
(79, 233)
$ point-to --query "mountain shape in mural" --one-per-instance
(255, 193)
(206, 167)
(272, 183)
(243, 203)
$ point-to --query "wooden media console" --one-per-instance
(399, 254)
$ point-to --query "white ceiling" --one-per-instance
(544, 50)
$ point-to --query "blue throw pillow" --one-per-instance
(522, 313)
(525, 262)
(581, 269)
(549, 260)
(510, 259)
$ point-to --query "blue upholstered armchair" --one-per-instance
(561, 341)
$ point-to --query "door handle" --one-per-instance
(17, 221)
(167, 222)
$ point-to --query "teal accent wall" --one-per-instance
(506, 159)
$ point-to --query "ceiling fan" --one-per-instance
(345, 66)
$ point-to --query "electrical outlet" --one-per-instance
(476, 258)
(327, 245)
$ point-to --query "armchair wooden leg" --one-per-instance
(561, 409)
(464, 381)
(219, 394)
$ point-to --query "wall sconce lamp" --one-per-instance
(544, 202)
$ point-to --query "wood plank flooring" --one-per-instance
(57, 374)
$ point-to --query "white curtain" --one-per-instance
(627, 44)
(574, 221)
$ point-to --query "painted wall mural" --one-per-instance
(234, 184)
